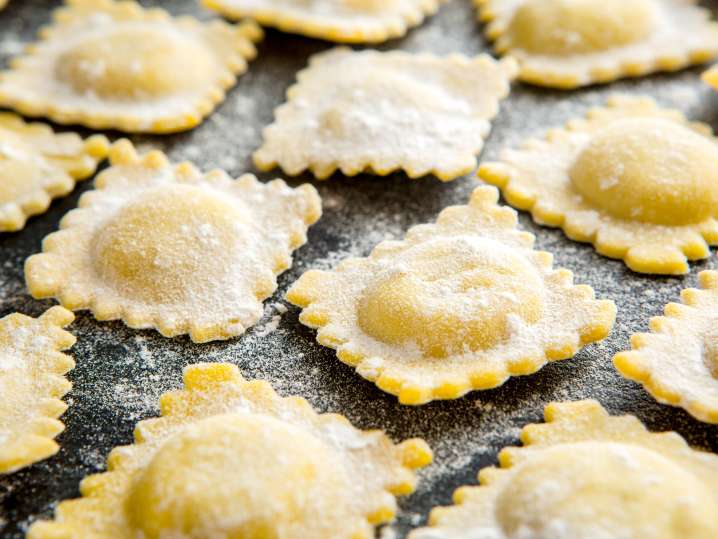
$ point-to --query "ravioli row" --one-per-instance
(230, 458)
(111, 64)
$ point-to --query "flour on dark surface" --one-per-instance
(121, 373)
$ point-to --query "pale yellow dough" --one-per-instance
(378, 112)
(231, 459)
(37, 165)
(571, 43)
(587, 475)
(165, 246)
(115, 65)
(342, 21)
(457, 305)
(638, 181)
(32, 382)
(677, 362)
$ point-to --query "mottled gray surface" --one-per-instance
(121, 372)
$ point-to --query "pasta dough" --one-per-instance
(638, 181)
(115, 65)
(586, 475)
(37, 165)
(344, 21)
(229, 458)
(32, 382)
(202, 264)
(457, 305)
(379, 112)
(570, 43)
(678, 361)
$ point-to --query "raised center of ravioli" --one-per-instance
(240, 476)
(557, 27)
(649, 169)
(590, 490)
(710, 348)
(136, 62)
(170, 244)
(451, 296)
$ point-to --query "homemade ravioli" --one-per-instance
(587, 475)
(638, 181)
(168, 247)
(678, 361)
(343, 21)
(229, 458)
(37, 165)
(379, 112)
(115, 65)
(457, 305)
(32, 382)
(571, 43)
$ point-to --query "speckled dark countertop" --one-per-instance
(121, 372)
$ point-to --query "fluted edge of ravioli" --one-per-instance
(24, 86)
(219, 390)
(645, 247)
(38, 443)
(278, 149)
(591, 68)
(340, 30)
(61, 177)
(96, 262)
(502, 502)
(643, 363)
(483, 220)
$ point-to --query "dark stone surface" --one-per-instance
(121, 372)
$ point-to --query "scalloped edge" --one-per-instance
(45, 281)
(402, 22)
(633, 365)
(246, 34)
(202, 379)
(599, 74)
(14, 215)
(564, 423)
(639, 257)
(303, 294)
(39, 443)
(506, 67)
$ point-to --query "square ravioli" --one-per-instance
(379, 112)
(343, 21)
(638, 181)
(571, 43)
(115, 65)
(460, 304)
(37, 165)
(167, 247)
(677, 362)
(587, 475)
(229, 458)
(32, 382)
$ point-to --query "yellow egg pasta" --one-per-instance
(165, 246)
(231, 458)
(460, 304)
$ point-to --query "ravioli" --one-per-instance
(571, 43)
(115, 65)
(587, 475)
(460, 304)
(344, 21)
(378, 112)
(229, 458)
(638, 181)
(167, 247)
(37, 165)
(677, 362)
(32, 382)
